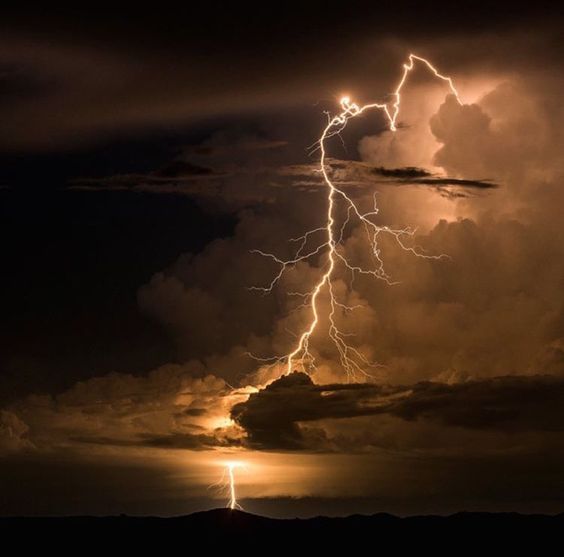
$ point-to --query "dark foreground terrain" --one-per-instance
(242, 532)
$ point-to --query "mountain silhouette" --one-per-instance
(239, 531)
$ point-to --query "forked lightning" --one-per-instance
(331, 236)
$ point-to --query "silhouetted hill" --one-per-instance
(222, 528)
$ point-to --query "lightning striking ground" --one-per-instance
(332, 233)
(227, 484)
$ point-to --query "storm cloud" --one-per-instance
(217, 114)
(171, 407)
(284, 414)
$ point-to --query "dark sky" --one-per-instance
(146, 151)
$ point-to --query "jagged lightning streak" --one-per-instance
(227, 483)
(232, 493)
(351, 359)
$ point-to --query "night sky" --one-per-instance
(146, 152)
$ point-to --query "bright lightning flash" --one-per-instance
(227, 482)
(332, 235)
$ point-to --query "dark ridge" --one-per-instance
(243, 532)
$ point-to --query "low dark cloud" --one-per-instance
(408, 172)
(421, 177)
(270, 417)
(361, 175)
(509, 403)
(238, 180)
(479, 184)
(273, 417)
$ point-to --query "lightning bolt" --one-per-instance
(227, 485)
(331, 240)
(232, 492)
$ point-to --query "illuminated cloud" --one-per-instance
(455, 316)
(168, 408)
